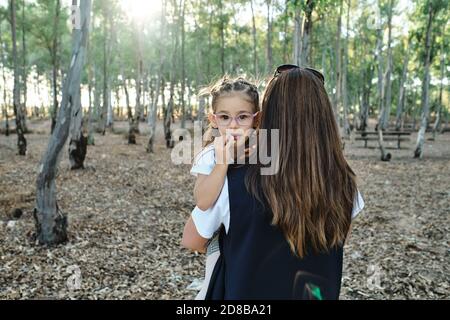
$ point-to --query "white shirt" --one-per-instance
(209, 221)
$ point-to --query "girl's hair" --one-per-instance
(227, 86)
(311, 196)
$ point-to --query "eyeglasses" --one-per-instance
(287, 67)
(242, 119)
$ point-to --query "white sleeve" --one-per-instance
(358, 205)
(206, 222)
(204, 162)
(209, 221)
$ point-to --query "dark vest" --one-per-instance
(256, 261)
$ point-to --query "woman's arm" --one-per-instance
(207, 188)
(192, 239)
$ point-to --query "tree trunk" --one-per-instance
(5, 102)
(152, 119)
(384, 120)
(145, 85)
(138, 104)
(385, 156)
(139, 74)
(78, 142)
(401, 98)
(255, 44)
(90, 138)
(183, 68)
(55, 63)
(170, 106)
(285, 29)
(222, 38)
(345, 92)
(189, 105)
(418, 153)
(437, 122)
(379, 58)
(109, 113)
(211, 14)
(306, 34)
(269, 37)
(51, 223)
(298, 24)
(117, 100)
(24, 71)
(96, 110)
(153, 116)
(168, 117)
(338, 101)
(106, 102)
(131, 120)
(415, 110)
(21, 141)
(366, 89)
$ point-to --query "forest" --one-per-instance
(96, 94)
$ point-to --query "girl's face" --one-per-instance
(234, 115)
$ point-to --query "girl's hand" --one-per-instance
(224, 149)
(243, 153)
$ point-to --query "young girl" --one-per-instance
(235, 104)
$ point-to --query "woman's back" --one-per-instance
(259, 261)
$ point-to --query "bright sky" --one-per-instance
(141, 9)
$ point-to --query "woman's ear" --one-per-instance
(257, 120)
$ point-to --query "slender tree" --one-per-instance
(269, 54)
(18, 112)
(54, 52)
(51, 223)
(255, 43)
(78, 142)
(418, 152)
(437, 122)
(386, 110)
(24, 72)
(345, 90)
(338, 99)
(5, 102)
(402, 89)
(152, 119)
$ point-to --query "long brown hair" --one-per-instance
(311, 196)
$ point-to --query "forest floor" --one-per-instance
(127, 211)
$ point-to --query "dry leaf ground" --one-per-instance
(127, 210)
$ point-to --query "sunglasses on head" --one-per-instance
(288, 67)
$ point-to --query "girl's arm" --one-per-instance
(192, 239)
(207, 188)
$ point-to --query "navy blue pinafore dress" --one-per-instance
(256, 261)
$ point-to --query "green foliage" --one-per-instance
(126, 38)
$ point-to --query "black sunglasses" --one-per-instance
(287, 67)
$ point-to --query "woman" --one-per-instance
(287, 230)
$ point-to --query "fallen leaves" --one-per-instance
(127, 211)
